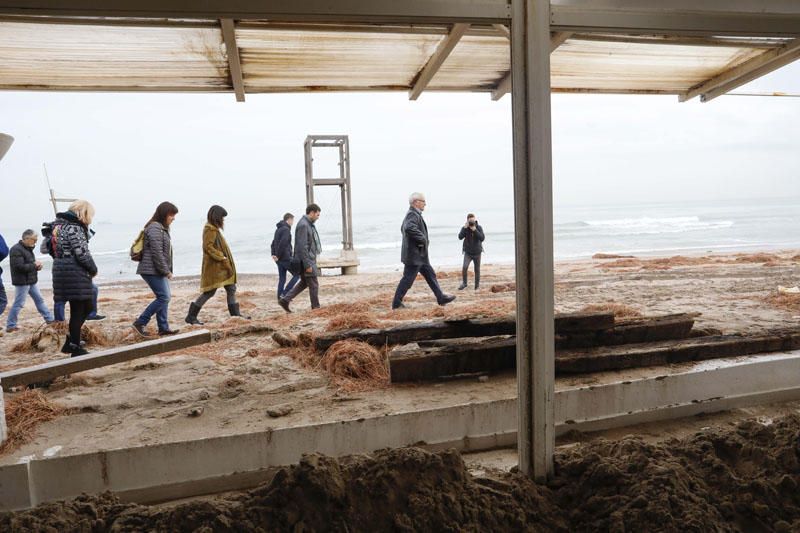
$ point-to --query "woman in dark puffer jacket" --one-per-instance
(156, 268)
(73, 269)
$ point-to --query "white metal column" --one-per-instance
(533, 212)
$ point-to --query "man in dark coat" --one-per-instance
(307, 247)
(472, 235)
(25, 278)
(281, 249)
(415, 254)
(3, 255)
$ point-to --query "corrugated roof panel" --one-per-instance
(275, 59)
(476, 61)
(58, 56)
(613, 66)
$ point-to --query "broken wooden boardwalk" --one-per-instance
(565, 324)
(497, 354)
(47, 371)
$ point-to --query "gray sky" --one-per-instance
(126, 152)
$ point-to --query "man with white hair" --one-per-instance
(415, 254)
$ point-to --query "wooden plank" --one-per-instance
(669, 352)
(651, 329)
(504, 85)
(234, 63)
(438, 359)
(113, 356)
(436, 60)
(443, 329)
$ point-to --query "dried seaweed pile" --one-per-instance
(25, 411)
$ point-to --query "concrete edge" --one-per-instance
(185, 469)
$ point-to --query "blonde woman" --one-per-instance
(73, 269)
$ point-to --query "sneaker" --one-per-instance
(98, 318)
(12, 330)
(462, 286)
(165, 332)
(77, 351)
(401, 305)
(284, 304)
(140, 329)
(446, 299)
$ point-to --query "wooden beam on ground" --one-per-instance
(746, 72)
(564, 323)
(112, 356)
(504, 86)
(650, 329)
(439, 56)
(234, 63)
(497, 354)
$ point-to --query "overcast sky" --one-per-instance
(126, 152)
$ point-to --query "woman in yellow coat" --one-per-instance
(218, 268)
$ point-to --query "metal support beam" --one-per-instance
(232, 51)
(744, 73)
(533, 220)
(678, 17)
(504, 87)
(446, 45)
(392, 11)
(503, 30)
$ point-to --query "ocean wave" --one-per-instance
(379, 246)
(648, 226)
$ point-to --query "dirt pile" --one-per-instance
(742, 478)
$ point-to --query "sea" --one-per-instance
(655, 229)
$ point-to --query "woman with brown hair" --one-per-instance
(218, 268)
(73, 269)
(155, 268)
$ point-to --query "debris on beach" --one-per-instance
(25, 411)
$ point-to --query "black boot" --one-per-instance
(191, 318)
(76, 350)
(233, 309)
(67, 343)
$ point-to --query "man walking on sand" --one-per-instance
(282, 253)
(307, 247)
(415, 254)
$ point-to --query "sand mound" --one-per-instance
(355, 365)
(24, 413)
(742, 478)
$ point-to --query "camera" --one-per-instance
(473, 222)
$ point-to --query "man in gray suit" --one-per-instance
(415, 254)
(306, 248)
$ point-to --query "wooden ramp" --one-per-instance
(112, 356)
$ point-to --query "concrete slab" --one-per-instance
(184, 469)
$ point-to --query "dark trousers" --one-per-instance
(3, 298)
(58, 307)
(78, 311)
(283, 268)
(307, 280)
(409, 275)
(476, 259)
(230, 293)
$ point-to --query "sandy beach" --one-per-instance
(235, 380)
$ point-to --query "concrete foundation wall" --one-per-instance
(168, 471)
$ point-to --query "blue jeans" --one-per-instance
(160, 306)
(3, 298)
(283, 268)
(58, 307)
(20, 296)
(409, 275)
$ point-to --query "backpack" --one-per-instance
(137, 248)
(49, 239)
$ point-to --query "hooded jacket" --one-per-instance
(473, 240)
(282, 242)
(73, 265)
(218, 268)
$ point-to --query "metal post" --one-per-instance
(533, 212)
(348, 202)
(309, 172)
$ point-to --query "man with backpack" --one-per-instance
(48, 246)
